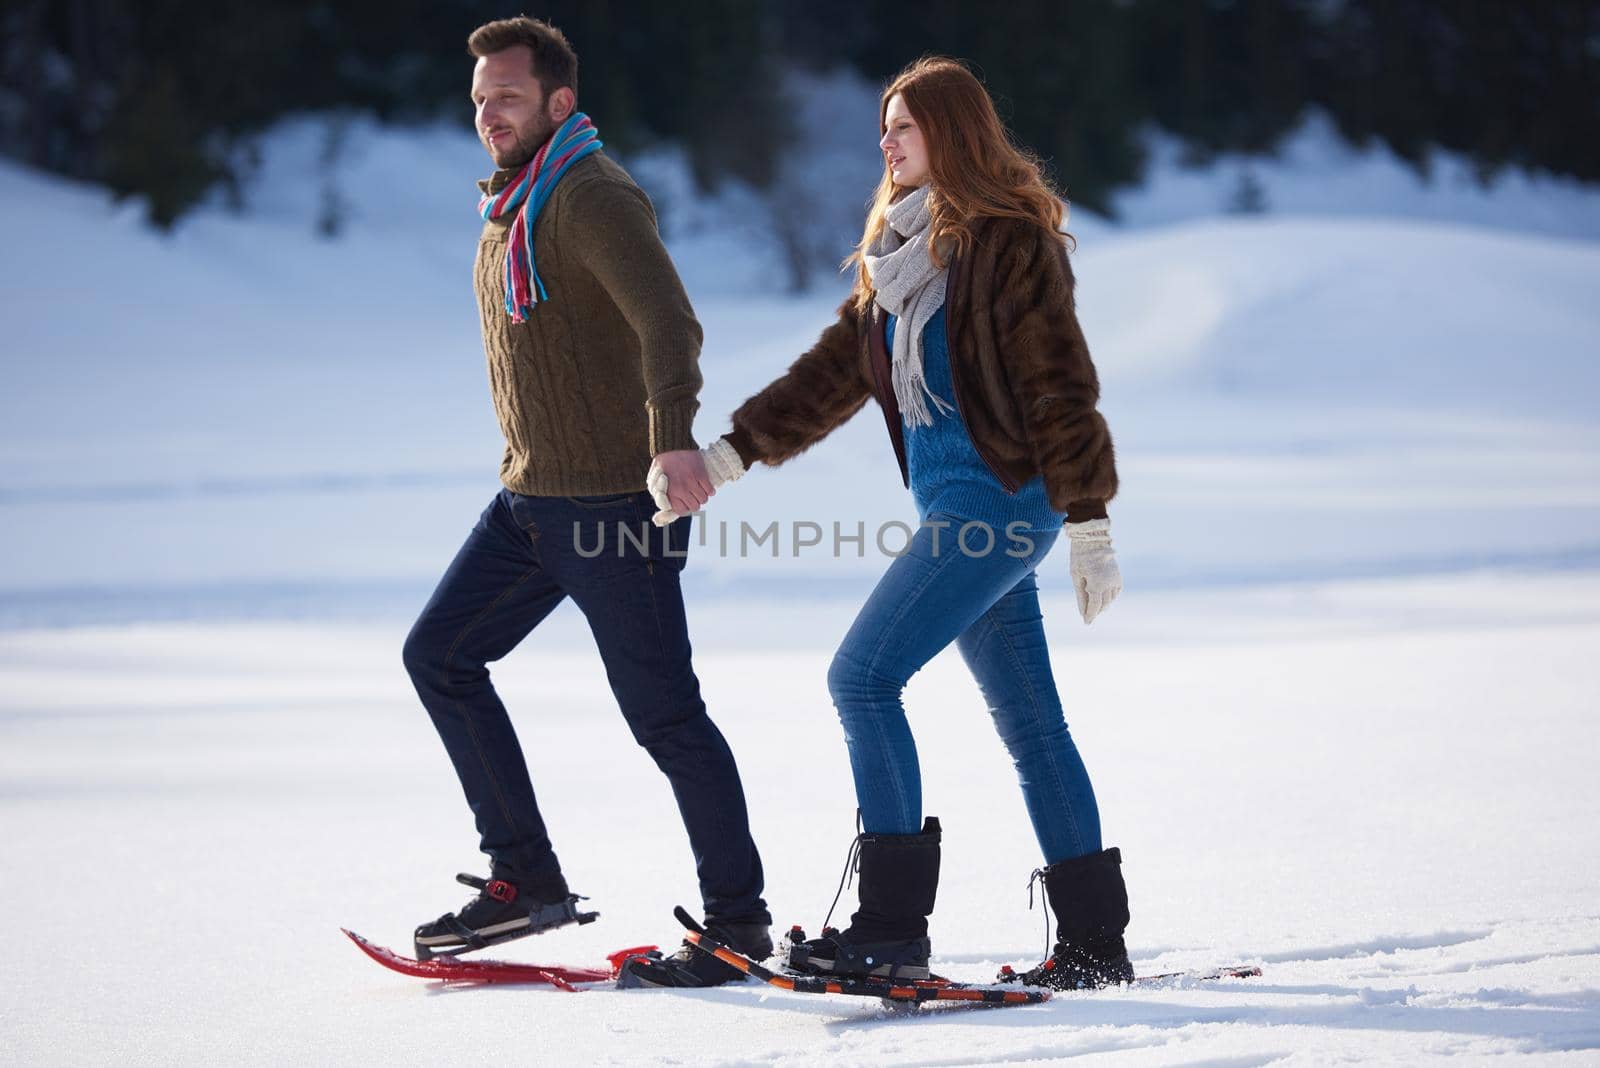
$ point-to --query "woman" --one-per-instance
(961, 325)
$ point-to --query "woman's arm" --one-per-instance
(1052, 377)
(820, 391)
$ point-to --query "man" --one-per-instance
(593, 362)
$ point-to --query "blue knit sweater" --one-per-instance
(947, 474)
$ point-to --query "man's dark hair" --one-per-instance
(555, 64)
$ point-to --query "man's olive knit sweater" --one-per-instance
(604, 374)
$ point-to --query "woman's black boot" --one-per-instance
(888, 935)
(1090, 901)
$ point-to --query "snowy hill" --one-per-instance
(266, 408)
(1341, 722)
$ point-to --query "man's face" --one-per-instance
(513, 117)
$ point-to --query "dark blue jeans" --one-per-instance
(943, 590)
(525, 556)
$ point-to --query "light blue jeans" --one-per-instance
(943, 590)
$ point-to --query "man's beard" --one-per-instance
(524, 144)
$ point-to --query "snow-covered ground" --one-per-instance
(1341, 722)
(1382, 792)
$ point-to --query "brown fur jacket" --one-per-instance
(1024, 383)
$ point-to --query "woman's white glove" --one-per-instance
(1095, 576)
(722, 466)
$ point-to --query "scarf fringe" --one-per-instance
(912, 394)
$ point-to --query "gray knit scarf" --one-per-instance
(910, 287)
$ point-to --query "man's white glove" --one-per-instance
(722, 466)
(1095, 576)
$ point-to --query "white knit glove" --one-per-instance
(1095, 576)
(722, 465)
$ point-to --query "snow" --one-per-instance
(1383, 793)
(1341, 722)
(1314, 171)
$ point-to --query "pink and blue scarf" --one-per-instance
(575, 139)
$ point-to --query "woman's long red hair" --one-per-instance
(974, 168)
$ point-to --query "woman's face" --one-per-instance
(903, 146)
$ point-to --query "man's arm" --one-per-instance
(609, 227)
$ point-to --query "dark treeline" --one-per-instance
(159, 98)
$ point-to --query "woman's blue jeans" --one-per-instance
(944, 589)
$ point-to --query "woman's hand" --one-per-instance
(681, 482)
(1095, 576)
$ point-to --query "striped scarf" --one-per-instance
(575, 139)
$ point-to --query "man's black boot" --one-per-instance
(508, 906)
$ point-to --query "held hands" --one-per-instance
(1095, 577)
(682, 481)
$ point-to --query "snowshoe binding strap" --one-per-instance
(498, 889)
(456, 937)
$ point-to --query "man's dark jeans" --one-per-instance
(524, 556)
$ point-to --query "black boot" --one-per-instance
(888, 935)
(1091, 907)
(694, 967)
(508, 906)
